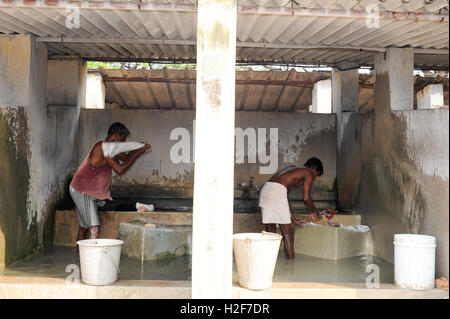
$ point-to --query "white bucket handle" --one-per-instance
(107, 250)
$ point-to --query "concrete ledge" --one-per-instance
(313, 290)
(51, 288)
(55, 288)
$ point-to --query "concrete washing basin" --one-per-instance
(332, 243)
(155, 243)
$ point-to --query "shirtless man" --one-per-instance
(274, 203)
(90, 184)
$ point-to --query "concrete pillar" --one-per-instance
(321, 97)
(432, 96)
(394, 79)
(95, 91)
(24, 138)
(17, 54)
(345, 90)
(212, 253)
(65, 77)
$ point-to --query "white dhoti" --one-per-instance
(274, 204)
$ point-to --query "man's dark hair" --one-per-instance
(118, 128)
(315, 163)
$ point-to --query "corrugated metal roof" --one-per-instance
(319, 31)
(255, 90)
(168, 89)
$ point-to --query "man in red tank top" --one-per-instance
(90, 184)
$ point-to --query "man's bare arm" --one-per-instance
(122, 157)
(307, 198)
(132, 156)
(126, 156)
(293, 218)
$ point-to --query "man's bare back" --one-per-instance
(300, 177)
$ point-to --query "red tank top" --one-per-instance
(93, 181)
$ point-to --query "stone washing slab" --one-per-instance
(155, 243)
(332, 243)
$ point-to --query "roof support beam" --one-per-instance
(238, 44)
(342, 13)
(243, 10)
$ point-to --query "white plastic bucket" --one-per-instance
(100, 260)
(256, 255)
(414, 261)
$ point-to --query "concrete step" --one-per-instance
(57, 288)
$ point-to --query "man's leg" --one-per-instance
(271, 228)
(286, 231)
(81, 233)
(81, 205)
(94, 232)
(94, 222)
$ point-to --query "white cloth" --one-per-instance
(274, 204)
(359, 228)
(274, 217)
(145, 207)
(112, 149)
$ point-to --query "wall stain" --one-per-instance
(19, 240)
(212, 89)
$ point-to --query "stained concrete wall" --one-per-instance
(300, 136)
(36, 147)
(393, 170)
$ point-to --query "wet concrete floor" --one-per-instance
(54, 262)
